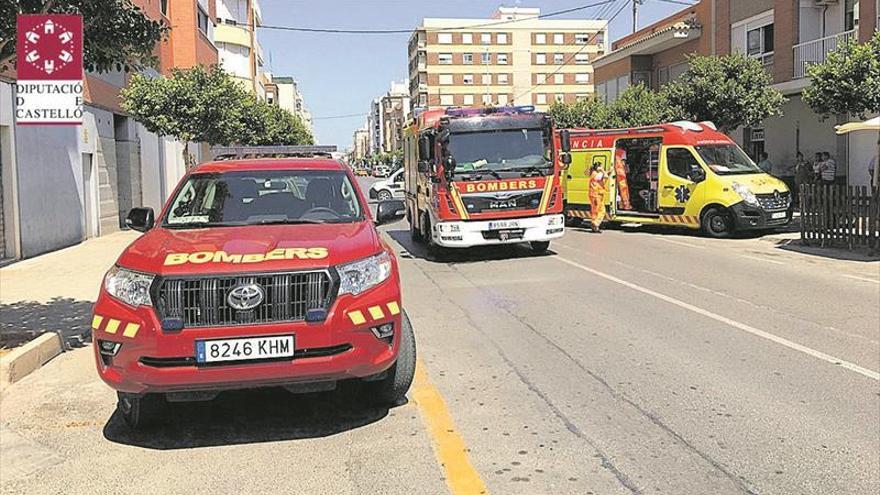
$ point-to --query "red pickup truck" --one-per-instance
(263, 272)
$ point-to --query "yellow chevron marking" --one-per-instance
(112, 326)
(131, 330)
(393, 308)
(96, 321)
(459, 205)
(357, 317)
(376, 312)
(545, 197)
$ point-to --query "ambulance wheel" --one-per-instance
(138, 411)
(384, 195)
(572, 221)
(540, 247)
(391, 390)
(716, 222)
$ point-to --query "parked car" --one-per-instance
(381, 171)
(362, 172)
(390, 188)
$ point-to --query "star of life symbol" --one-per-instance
(49, 47)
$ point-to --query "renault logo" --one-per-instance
(777, 196)
(245, 296)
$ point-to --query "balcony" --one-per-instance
(814, 52)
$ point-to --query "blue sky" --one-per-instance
(339, 74)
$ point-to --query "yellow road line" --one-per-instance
(449, 446)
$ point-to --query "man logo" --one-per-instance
(245, 296)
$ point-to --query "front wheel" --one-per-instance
(540, 247)
(392, 389)
(384, 195)
(139, 411)
(716, 222)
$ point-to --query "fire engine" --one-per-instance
(479, 176)
(258, 272)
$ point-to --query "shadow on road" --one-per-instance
(249, 416)
(24, 320)
(797, 246)
(466, 255)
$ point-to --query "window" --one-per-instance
(486, 58)
(540, 78)
(558, 78)
(487, 99)
(681, 162)
(502, 99)
(541, 99)
(501, 38)
(467, 58)
(558, 39)
(540, 58)
(560, 97)
(558, 58)
(163, 7)
(467, 79)
(540, 39)
(759, 43)
(446, 100)
(468, 99)
(487, 79)
(423, 100)
(444, 58)
(850, 15)
(582, 97)
(467, 38)
(203, 20)
(502, 78)
(581, 38)
(582, 78)
(582, 59)
(501, 58)
(445, 78)
(444, 38)
(486, 38)
(753, 37)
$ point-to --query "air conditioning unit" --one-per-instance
(826, 3)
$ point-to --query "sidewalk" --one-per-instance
(55, 292)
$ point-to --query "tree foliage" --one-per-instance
(636, 106)
(848, 82)
(730, 90)
(116, 33)
(587, 113)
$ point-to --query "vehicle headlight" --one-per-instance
(747, 195)
(364, 274)
(129, 287)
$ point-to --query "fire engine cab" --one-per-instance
(478, 176)
(261, 272)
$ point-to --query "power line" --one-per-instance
(348, 116)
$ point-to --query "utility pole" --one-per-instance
(636, 4)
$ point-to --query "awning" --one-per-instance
(868, 125)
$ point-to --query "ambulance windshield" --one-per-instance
(499, 151)
(727, 159)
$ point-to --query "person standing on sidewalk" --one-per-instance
(827, 169)
(803, 174)
(765, 163)
(598, 194)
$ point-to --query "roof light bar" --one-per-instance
(474, 111)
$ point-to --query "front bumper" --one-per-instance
(341, 347)
(462, 234)
(747, 217)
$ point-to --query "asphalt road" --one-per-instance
(630, 362)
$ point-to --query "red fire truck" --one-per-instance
(478, 176)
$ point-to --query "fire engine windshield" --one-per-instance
(497, 151)
(264, 197)
(727, 159)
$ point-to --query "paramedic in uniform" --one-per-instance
(598, 193)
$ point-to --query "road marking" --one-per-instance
(742, 326)
(863, 279)
(449, 446)
(680, 243)
(762, 259)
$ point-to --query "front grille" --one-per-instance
(202, 301)
(481, 203)
(775, 200)
(172, 362)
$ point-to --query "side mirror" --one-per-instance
(424, 148)
(140, 219)
(390, 211)
(697, 175)
(449, 164)
(565, 140)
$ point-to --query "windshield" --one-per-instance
(264, 197)
(499, 150)
(727, 159)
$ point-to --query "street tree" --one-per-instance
(847, 82)
(639, 106)
(117, 35)
(730, 90)
(586, 113)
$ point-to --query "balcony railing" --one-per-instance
(814, 52)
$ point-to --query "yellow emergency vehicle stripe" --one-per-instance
(545, 198)
(459, 205)
(357, 317)
(393, 308)
(96, 321)
(131, 330)
(112, 326)
(376, 312)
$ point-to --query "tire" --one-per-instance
(540, 247)
(391, 390)
(428, 238)
(384, 195)
(139, 411)
(716, 223)
(414, 233)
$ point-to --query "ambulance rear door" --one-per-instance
(577, 183)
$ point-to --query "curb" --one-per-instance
(28, 358)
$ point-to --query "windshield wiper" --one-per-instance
(285, 221)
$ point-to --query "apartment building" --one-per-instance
(360, 145)
(94, 173)
(240, 52)
(395, 112)
(786, 36)
(284, 92)
(512, 58)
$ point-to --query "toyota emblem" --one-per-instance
(245, 296)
